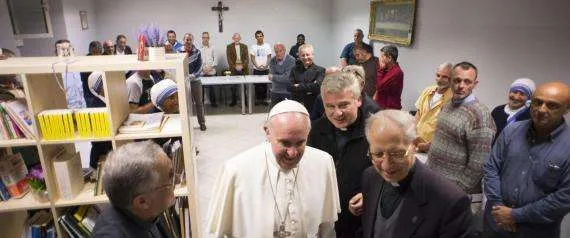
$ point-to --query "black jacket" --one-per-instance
(432, 206)
(309, 81)
(500, 117)
(350, 162)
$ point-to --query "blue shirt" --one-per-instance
(177, 47)
(348, 53)
(530, 175)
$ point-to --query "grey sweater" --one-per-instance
(280, 79)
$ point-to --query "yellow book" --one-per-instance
(72, 123)
(107, 124)
(65, 124)
(42, 125)
(94, 124)
(87, 121)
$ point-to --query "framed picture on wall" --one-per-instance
(83, 18)
(392, 21)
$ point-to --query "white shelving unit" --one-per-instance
(43, 93)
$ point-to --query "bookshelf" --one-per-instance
(43, 93)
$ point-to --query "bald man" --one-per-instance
(527, 175)
(238, 59)
(279, 188)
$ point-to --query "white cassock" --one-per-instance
(243, 202)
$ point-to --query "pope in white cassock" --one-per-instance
(280, 188)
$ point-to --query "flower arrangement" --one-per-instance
(36, 178)
(152, 35)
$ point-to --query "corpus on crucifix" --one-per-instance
(220, 9)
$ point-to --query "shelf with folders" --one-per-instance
(44, 92)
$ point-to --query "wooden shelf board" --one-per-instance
(35, 65)
(25, 203)
(66, 141)
(86, 196)
(147, 135)
(17, 142)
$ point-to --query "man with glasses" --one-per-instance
(341, 134)
(403, 198)
(429, 105)
(138, 179)
(279, 188)
(527, 175)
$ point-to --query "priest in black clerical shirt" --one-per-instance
(401, 196)
(138, 181)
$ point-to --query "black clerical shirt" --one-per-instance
(116, 222)
(391, 195)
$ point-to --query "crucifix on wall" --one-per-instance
(220, 9)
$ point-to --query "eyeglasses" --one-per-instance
(394, 156)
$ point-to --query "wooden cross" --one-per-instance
(220, 9)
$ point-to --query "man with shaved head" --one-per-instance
(280, 188)
(527, 175)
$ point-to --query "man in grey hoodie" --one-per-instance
(280, 68)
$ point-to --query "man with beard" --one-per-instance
(280, 188)
(429, 105)
(527, 175)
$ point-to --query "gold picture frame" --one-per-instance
(392, 21)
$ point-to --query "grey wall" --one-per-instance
(280, 21)
(45, 46)
(505, 39)
(6, 32)
(80, 38)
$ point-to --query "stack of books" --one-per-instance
(40, 225)
(15, 120)
(63, 124)
(13, 180)
(176, 220)
(143, 123)
(79, 221)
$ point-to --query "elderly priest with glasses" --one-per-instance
(279, 188)
(138, 179)
(402, 197)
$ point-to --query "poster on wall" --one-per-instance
(392, 21)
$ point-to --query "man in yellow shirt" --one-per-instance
(430, 103)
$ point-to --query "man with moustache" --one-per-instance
(341, 134)
(429, 105)
(527, 175)
(280, 188)
(517, 109)
(364, 58)
(402, 197)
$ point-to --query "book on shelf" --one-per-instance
(98, 190)
(40, 225)
(20, 115)
(171, 124)
(4, 194)
(175, 221)
(68, 174)
(79, 221)
(143, 123)
(173, 148)
(13, 172)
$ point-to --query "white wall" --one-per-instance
(279, 20)
(504, 39)
(80, 38)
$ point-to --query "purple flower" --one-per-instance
(37, 172)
